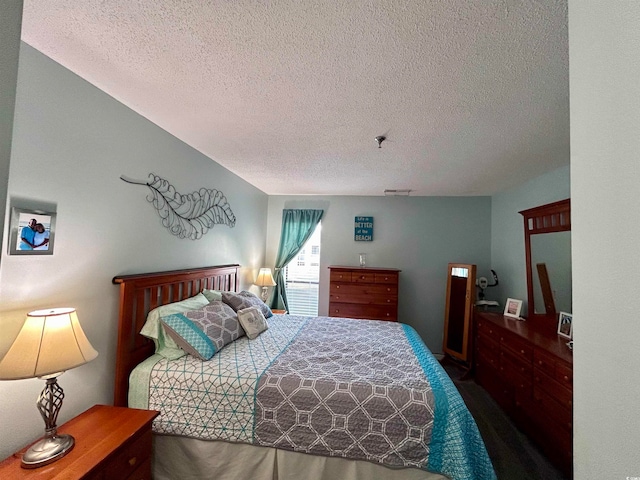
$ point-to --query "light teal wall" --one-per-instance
(10, 22)
(418, 235)
(71, 143)
(507, 230)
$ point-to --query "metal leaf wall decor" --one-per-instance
(190, 215)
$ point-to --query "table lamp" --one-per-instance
(264, 280)
(50, 342)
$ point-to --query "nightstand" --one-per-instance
(278, 312)
(110, 443)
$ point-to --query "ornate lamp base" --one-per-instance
(53, 446)
(47, 450)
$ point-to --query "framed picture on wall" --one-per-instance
(512, 307)
(565, 325)
(32, 232)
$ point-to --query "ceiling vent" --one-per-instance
(397, 193)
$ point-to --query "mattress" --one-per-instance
(353, 389)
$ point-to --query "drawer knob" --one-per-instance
(389, 301)
(522, 352)
(566, 378)
(539, 362)
(361, 277)
(388, 289)
(336, 311)
(337, 297)
(386, 278)
(388, 315)
(337, 286)
(132, 461)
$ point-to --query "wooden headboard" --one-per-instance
(141, 293)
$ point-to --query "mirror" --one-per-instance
(554, 252)
(460, 298)
(547, 231)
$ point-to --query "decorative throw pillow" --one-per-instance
(218, 321)
(245, 299)
(252, 321)
(188, 336)
(154, 329)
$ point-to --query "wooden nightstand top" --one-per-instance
(278, 312)
(98, 433)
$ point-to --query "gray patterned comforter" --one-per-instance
(357, 389)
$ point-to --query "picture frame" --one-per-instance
(565, 325)
(512, 308)
(37, 240)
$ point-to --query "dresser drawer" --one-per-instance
(361, 311)
(519, 347)
(488, 329)
(555, 389)
(487, 357)
(391, 278)
(515, 362)
(363, 277)
(487, 345)
(339, 276)
(363, 299)
(522, 384)
(557, 412)
(545, 362)
(143, 472)
(129, 457)
(564, 375)
(371, 290)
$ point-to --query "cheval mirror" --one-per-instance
(547, 241)
(461, 292)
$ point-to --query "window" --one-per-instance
(302, 276)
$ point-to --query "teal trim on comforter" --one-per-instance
(456, 447)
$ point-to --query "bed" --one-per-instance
(314, 398)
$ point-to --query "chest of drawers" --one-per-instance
(363, 292)
(529, 372)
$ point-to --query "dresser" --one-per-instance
(364, 292)
(110, 443)
(528, 370)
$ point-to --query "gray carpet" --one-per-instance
(513, 455)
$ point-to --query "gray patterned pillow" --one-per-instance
(245, 299)
(252, 321)
(218, 321)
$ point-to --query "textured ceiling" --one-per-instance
(473, 96)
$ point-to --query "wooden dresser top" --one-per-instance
(364, 269)
(540, 337)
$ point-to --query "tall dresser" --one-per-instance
(528, 369)
(364, 292)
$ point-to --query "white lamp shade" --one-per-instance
(51, 341)
(265, 279)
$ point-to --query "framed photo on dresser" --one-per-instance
(512, 308)
(565, 325)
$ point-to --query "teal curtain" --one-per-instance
(297, 227)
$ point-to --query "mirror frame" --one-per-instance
(549, 218)
(470, 298)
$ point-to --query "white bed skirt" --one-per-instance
(180, 458)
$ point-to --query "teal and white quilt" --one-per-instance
(367, 390)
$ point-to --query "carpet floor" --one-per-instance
(513, 455)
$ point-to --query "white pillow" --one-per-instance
(252, 321)
(153, 328)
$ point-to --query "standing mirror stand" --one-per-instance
(460, 298)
